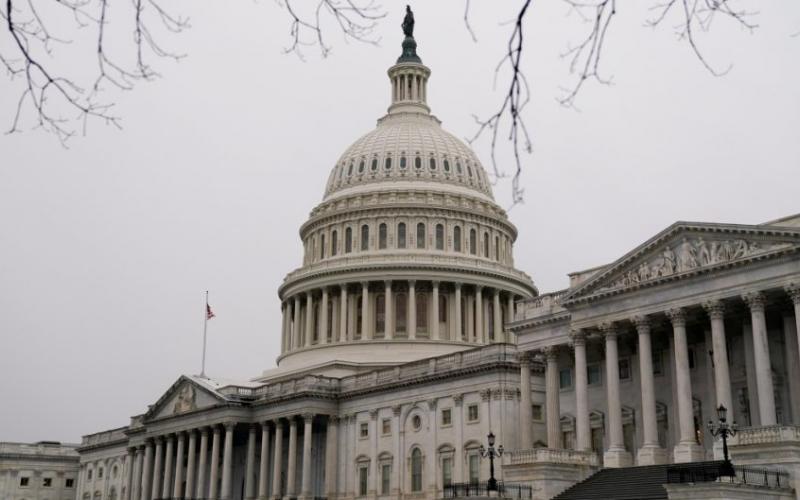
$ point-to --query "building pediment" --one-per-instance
(184, 396)
(686, 249)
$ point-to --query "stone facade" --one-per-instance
(46, 470)
(408, 335)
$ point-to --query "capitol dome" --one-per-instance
(407, 256)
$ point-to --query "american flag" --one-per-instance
(209, 312)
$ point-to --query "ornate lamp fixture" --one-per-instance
(491, 452)
(724, 430)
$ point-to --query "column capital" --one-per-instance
(609, 330)
(365, 284)
(677, 316)
(432, 404)
(307, 417)
(333, 419)
(324, 288)
(309, 294)
(343, 287)
(229, 425)
(478, 288)
(524, 358)
(373, 414)
(793, 289)
(458, 399)
(457, 285)
(387, 283)
(486, 394)
(578, 336)
(396, 409)
(412, 282)
(278, 423)
(435, 283)
(551, 352)
(292, 421)
(642, 323)
(755, 301)
(265, 424)
(255, 426)
(714, 308)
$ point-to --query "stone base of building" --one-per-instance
(724, 491)
(772, 447)
(548, 471)
(688, 452)
(617, 458)
(652, 455)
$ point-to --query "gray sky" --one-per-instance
(107, 247)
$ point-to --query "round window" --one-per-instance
(416, 422)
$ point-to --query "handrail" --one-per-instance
(722, 472)
(481, 489)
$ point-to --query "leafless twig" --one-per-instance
(466, 21)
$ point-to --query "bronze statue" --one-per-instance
(408, 23)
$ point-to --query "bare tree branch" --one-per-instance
(466, 21)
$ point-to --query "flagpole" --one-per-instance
(205, 329)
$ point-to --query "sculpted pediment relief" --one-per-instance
(184, 396)
(684, 250)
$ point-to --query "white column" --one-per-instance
(510, 308)
(398, 463)
(411, 324)
(309, 333)
(291, 473)
(130, 461)
(650, 453)
(388, 316)
(365, 329)
(457, 317)
(227, 462)
(458, 429)
(305, 481)
(615, 456)
(791, 335)
(766, 395)
(263, 464)
(335, 319)
(157, 469)
(498, 317)
(213, 490)
(435, 312)
(343, 315)
(147, 470)
(331, 454)
(687, 449)
(794, 292)
(296, 324)
(431, 460)
(284, 318)
(166, 486)
(525, 408)
(323, 321)
(722, 378)
(479, 332)
(250, 465)
(372, 475)
(276, 460)
(202, 487)
(552, 391)
(177, 490)
(582, 432)
(190, 468)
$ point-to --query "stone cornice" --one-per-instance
(527, 323)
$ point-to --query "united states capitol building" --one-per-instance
(408, 335)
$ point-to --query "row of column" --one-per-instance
(409, 86)
(687, 448)
(302, 328)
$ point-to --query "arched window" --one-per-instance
(446, 165)
(472, 243)
(400, 311)
(388, 162)
(402, 162)
(334, 241)
(359, 317)
(348, 240)
(496, 248)
(442, 308)
(401, 235)
(486, 245)
(469, 170)
(380, 314)
(490, 317)
(416, 470)
(432, 163)
(312, 253)
(382, 236)
(439, 237)
(457, 239)
(350, 169)
(418, 162)
(360, 166)
(364, 237)
(458, 167)
(420, 235)
(322, 246)
(374, 165)
(422, 313)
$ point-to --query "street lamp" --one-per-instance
(491, 452)
(723, 429)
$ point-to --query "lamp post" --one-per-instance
(723, 429)
(491, 452)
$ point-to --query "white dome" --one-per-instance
(409, 147)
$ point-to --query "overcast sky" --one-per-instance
(106, 247)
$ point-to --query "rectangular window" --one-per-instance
(47, 482)
(362, 480)
(447, 416)
(565, 378)
(100, 473)
(364, 430)
(89, 475)
(386, 426)
(474, 468)
(472, 413)
(23, 481)
(447, 470)
(593, 375)
(624, 369)
(386, 479)
(69, 483)
(536, 413)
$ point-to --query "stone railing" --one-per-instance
(407, 258)
(308, 383)
(767, 435)
(540, 305)
(42, 449)
(104, 437)
(551, 455)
